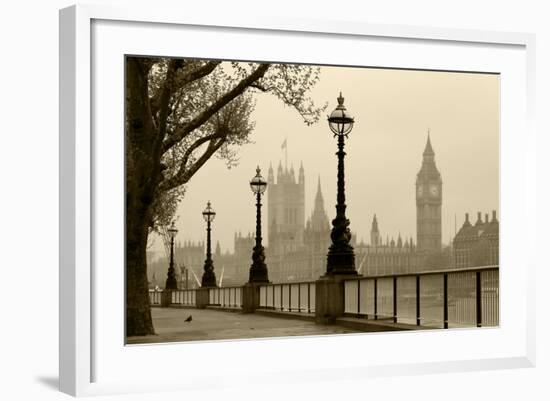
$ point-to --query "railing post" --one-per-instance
(395, 299)
(358, 297)
(299, 297)
(418, 300)
(202, 297)
(445, 302)
(375, 299)
(290, 297)
(478, 299)
(282, 296)
(308, 298)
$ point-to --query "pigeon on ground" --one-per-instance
(189, 319)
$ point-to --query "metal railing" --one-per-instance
(450, 298)
(227, 297)
(289, 297)
(184, 297)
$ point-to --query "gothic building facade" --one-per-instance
(285, 210)
(477, 244)
(296, 249)
(386, 257)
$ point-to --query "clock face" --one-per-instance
(433, 190)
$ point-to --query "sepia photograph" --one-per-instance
(280, 200)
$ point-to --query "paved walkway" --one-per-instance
(208, 324)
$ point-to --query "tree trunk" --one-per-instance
(142, 173)
(138, 312)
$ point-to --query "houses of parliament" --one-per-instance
(296, 248)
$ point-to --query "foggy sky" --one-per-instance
(393, 111)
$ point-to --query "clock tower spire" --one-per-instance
(428, 202)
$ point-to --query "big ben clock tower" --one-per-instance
(428, 203)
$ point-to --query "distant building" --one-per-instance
(230, 268)
(285, 210)
(236, 265)
(308, 261)
(296, 249)
(379, 258)
(478, 244)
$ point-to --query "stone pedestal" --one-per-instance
(251, 297)
(202, 299)
(166, 298)
(329, 298)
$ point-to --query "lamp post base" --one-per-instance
(208, 280)
(258, 269)
(258, 275)
(341, 263)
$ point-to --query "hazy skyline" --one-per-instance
(393, 111)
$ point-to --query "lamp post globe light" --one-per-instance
(171, 280)
(208, 277)
(341, 258)
(258, 269)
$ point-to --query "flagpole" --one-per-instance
(286, 155)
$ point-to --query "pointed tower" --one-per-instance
(279, 172)
(317, 233)
(428, 203)
(270, 176)
(319, 218)
(375, 233)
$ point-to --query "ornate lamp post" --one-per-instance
(208, 277)
(340, 258)
(258, 269)
(171, 280)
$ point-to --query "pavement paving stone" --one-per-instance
(207, 324)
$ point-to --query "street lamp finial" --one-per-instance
(340, 99)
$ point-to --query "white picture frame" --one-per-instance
(84, 341)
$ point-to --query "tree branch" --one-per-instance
(187, 79)
(217, 106)
(260, 87)
(184, 174)
(196, 145)
(200, 72)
